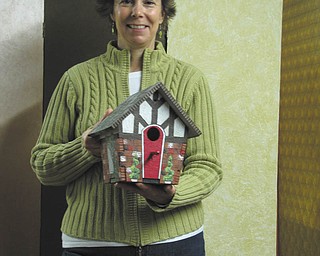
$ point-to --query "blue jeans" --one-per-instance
(193, 246)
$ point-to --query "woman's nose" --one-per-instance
(137, 10)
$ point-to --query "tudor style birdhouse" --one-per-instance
(144, 138)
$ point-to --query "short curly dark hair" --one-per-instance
(105, 9)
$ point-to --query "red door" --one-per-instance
(153, 141)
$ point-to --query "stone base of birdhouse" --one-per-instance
(122, 161)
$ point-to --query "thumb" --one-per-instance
(105, 115)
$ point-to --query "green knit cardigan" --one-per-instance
(99, 211)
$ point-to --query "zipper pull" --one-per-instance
(140, 251)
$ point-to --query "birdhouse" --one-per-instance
(144, 138)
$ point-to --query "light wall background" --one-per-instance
(21, 56)
(237, 44)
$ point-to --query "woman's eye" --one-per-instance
(149, 2)
(132, 2)
(126, 2)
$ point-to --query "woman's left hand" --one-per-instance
(160, 194)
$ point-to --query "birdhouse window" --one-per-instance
(128, 124)
(146, 112)
(179, 128)
(163, 113)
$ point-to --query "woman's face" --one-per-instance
(137, 22)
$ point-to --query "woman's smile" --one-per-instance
(132, 26)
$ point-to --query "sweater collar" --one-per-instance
(121, 58)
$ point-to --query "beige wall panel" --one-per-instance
(20, 103)
(237, 45)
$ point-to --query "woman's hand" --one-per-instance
(92, 144)
(160, 194)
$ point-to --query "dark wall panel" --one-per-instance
(73, 32)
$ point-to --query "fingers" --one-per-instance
(91, 144)
(161, 194)
(170, 189)
(128, 186)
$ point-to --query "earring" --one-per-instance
(113, 28)
(160, 31)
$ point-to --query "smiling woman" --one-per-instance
(105, 9)
(137, 23)
(136, 218)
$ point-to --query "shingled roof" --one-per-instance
(135, 100)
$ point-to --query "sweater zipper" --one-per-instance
(139, 251)
(138, 224)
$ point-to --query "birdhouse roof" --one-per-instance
(135, 100)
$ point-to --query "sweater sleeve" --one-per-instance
(202, 172)
(58, 156)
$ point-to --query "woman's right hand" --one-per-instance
(92, 144)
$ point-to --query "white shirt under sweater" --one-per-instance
(72, 242)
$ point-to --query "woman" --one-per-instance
(127, 219)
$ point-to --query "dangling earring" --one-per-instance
(113, 31)
(160, 31)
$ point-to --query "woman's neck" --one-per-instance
(136, 53)
(136, 57)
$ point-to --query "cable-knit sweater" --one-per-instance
(97, 210)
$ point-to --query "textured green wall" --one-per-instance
(237, 45)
